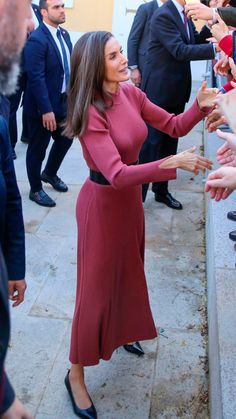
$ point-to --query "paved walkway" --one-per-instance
(170, 381)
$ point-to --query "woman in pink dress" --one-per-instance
(109, 117)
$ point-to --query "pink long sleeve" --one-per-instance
(112, 142)
(102, 155)
(173, 125)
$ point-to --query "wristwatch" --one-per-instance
(214, 17)
(133, 67)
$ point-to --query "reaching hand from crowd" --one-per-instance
(219, 30)
(206, 97)
(229, 137)
(198, 11)
(221, 183)
(222, 66)
(214, 120)
(226, 154)
(232, 67)
(188, 161)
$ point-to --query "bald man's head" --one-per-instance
(15, 17)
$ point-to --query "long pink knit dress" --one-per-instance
(112, 305)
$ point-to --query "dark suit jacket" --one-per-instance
(167, 75)
(45, 73)
(4, 107)
(139, 34)
(12, 236)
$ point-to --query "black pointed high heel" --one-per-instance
(134, 348)
(89, 413)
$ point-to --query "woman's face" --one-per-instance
(116, 65)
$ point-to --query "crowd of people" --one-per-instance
(222, 20)
(84, 92)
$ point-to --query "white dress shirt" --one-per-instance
(53, 32)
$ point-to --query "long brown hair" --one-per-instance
(86, 81)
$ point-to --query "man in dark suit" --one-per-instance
(173, 43)
(138, 39)
(16, 97)
(13, 20)
(7, 394)
(47, 64)
(12, 243)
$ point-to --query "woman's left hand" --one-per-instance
(206, 97)
(187, 160)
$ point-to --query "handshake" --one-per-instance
(221, 183)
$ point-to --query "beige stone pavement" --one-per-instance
(170, 381)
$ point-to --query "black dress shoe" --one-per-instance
(41, 198)
(13, 154)
(55, 181)
(232, 235)
(134, 348)
(89, 413)
(169, 200)
(231, 215)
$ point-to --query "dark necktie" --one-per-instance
(65, 60)
(186, 23)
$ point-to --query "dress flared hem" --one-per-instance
(108, 357)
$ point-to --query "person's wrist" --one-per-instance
(178, 161)
(174, 161)
(214, 48)
(133, 67)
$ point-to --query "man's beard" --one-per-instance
(9, 75)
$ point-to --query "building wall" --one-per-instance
(89, 15)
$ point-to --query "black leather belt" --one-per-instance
(98, 177)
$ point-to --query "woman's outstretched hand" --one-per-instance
(189, 161)
(206, 97)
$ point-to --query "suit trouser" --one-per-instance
(15, 100)
(39, 138)
(158, 145)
